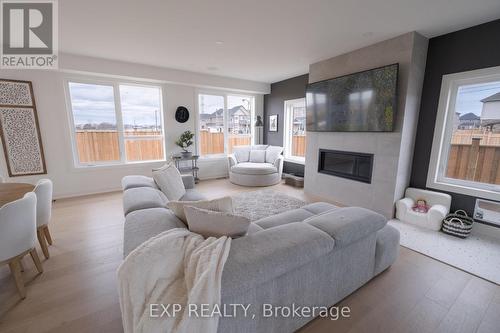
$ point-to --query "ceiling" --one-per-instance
(260, 40)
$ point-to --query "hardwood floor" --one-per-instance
(77, 291)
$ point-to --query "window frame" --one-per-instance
(224, 95)
(288, 131)
(115, 84)
(436, 178)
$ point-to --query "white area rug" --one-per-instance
(263, 203)
(478, 254)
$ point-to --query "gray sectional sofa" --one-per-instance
(312, 256)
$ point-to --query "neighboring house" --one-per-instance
(490, 115)
(238, 122)
(469, 121)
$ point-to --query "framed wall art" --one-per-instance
(19, 129)
(273, 123)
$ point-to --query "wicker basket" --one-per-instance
(457, 224)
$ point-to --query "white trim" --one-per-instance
(287, 130)
(442, 135)
(115, 84)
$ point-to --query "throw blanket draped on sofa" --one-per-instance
(175, 267)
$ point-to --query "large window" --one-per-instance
(116, 123)
(466, 148)
(225, 121)
(295, 130)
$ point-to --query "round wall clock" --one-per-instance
(182, 114)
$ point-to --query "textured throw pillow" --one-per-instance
(242, 154)
(258, 156)
(224, 204)
(272, 153)
(209, 223)
(169, 180)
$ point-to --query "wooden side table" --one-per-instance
(13, 191)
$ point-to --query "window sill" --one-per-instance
(295, 160)
(464, 189)
(95, 167)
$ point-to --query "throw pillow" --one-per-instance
(169, 180)
(259, 147)
(272, 153)
(258, 156)
(224, 204)
(242, 153)
(209, 223)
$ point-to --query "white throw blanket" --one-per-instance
(174, 267)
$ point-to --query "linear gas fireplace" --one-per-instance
(346, 164)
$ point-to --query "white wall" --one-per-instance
(392, 151)
(179, 89)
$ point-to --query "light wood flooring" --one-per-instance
(77, 291)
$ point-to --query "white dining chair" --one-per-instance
(17, 236)
(43, 191)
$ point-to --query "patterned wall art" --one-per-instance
(19, 129)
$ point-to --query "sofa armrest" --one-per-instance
(231, 159)
(267, 254)
(437, 213)
(348, 225)
(188, 181)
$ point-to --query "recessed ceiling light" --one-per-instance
(219, 42)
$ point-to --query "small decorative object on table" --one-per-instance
(187, 168)
(421, 206)
(458, 224)
(185, 141)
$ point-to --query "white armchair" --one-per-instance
(43, 191)
(17, 236)
(259, 165)
(439, 207)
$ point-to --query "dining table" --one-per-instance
(13, 191)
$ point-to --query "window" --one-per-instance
(225, 121)
(466, 147)
(295, 130)
(116, 123)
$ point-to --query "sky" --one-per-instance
(469, 97)
(95, 104)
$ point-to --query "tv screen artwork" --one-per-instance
(360, 102)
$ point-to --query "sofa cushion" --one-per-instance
(347, 225)
(224, 204)
(192, 195)
(141, 225)
(258, 156)
(272, 153)
(137, 181)
(143, 198)
(169, 180)
(259, 147)
(250, 168)
(319, 207)
(210, 223)
(294, 215)
(241, 153)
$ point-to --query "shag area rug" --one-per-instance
(258, 204)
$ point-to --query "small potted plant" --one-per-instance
(184, 141)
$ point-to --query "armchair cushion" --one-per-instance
(249, 168)
(258, 156)
(272, 153)
(241, 153)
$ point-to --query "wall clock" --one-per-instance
(182, 114)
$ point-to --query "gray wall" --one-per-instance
(392, 162)
(274, 104)
(464, 50)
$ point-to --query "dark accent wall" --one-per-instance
(464, 50)
(274, 104)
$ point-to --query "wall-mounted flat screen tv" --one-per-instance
(359, 102)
